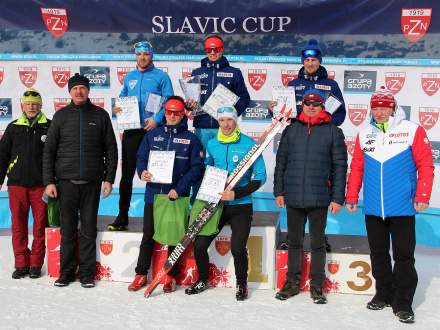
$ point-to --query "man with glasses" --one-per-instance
(187, 170)
(21, 153)
(310, 171)
(146, 79)
(81, 157)
(215, 69)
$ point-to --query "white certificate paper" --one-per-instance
(220, 97)
(191, 88)
(129, 117)
(284, 95)
(154, 103)
(332, 104)
(213, 183)
(160, 165)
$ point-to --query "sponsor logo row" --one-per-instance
(354, 81)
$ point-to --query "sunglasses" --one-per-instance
(175, 113)
(214, 50)
(31, 93)
(313, 103)
(225, 109)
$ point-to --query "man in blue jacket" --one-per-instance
(214, 70)
(187, 170)
(314, 76)
(146, 79)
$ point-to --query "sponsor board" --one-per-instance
(257, 110)
(360, 81)
(99, 76)
(5, 109)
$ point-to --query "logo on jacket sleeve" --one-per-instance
(257, 78)
(357, 113)
(430, 83)
(428, 116)
(28, 75)
(394, 81)
(55, 20)
(60, 75)
(121, 72)
(415, 22)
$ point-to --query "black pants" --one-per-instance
(240, 218)
(397, 284)
(147, 245)
(317, 218)
(130, 145)
(82, 198)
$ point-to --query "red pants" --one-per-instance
(20, 199)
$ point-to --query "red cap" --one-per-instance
(382, 98)
(313, 95)
(174, 105)
(214, 42)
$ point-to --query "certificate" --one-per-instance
(129, 117)
(284, 95)
(332, 104)
(220, 97)
(160, 165)
(191, 88)
(213, 183)
(153, 103)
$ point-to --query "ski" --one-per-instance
(206, 213)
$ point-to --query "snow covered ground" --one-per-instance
(37, 304)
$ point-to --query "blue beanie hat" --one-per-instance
(311, 49)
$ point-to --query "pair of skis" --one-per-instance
(206, 213)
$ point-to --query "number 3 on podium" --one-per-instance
(362, 274)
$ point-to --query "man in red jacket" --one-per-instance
(394, 159)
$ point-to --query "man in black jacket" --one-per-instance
(80, 155)
(21, 153)
(310, 171)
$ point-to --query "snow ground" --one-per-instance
(37, 304)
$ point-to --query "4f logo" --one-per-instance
(428, 117)
(28, 75)
(257, 78)
(415, 22)
(394, 81)
(357, 113)
(430, 83)
(288, 75)
(55, 20)
(60, 76)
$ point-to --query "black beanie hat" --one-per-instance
(76, 80)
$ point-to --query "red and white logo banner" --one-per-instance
(60, 75)
(288, 75)
(28, 75)
(430, 83)
(357, 113)
(98, 102)
(122, 72)
(59, 103)
(186, 72)
(414, 22)
(428, 116)
(55, 20)
(350, 142)
(394, 81)
(257, 78)
(222, 244)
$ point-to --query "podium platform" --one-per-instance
(117, 254)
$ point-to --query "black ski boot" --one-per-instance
(242, 292)
(35, 272)
(405, 316)
(120, 224)
(318, 295)
(197, 288)
(289, 289)
(20, 272)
